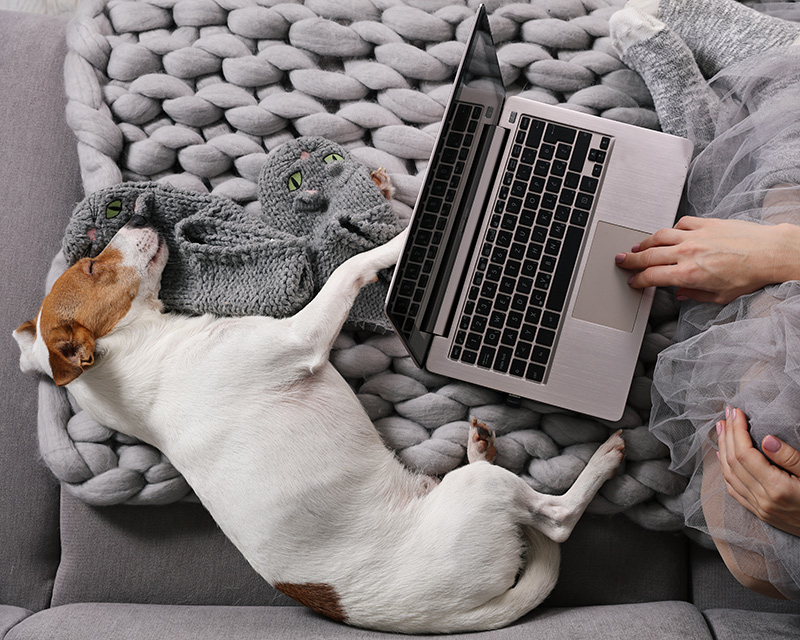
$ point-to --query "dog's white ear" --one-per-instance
(71, 352)
(25, 335)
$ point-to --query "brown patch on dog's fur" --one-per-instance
(321, 598)
(86, 303)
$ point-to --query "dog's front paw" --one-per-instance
(481, 443)
(609, 455)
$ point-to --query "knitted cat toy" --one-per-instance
(314, 189)
(320, 207)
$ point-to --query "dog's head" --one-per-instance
(90, 300)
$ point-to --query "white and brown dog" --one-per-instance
(279, 450)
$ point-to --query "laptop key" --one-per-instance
(584, 201)
(523, 350)
(566, 266)
(546, 337)
(503, 359)
(535, 133)
(486, 357)
(540, 354)
(518, 368)
(535, 373)
(580, 151)
(463, 114)
(558, 133)
(528, 155)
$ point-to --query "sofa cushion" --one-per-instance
(735, 624)
(655, 621)
(10, 617)
(713, 587)
(176, 555)
(614, 561)
(154, 555)
(39, 186)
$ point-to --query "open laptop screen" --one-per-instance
(440, 212)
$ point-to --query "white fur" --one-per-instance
(279, 450)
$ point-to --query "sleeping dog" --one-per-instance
(280, 451)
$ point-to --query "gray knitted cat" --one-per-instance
(313, 188)
(221, 260)
(226, 261)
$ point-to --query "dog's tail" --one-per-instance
(536, 580)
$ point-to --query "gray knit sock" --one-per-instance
(685, 104)
(720, 32)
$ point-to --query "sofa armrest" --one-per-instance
(39, 185)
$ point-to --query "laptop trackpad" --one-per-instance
(604, 296)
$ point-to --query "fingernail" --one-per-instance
(728, 413)
(720, 425)
(635, 248)
(630, 280)
(771, 444)
(682, 298)
(619, 258)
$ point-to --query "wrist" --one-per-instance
(784, 256)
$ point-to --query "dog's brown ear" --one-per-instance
(71, 352)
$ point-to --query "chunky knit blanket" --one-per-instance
(195, 93)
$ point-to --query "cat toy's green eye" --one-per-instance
(332, 157)
(113, 209)
(295, 180)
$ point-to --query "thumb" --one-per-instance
(782, 454)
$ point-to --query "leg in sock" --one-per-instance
(720, 32)
(685, 104)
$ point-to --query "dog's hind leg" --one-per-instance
(556, 516)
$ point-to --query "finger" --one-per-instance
(733, 449)
(690, 223)
(782, 454)
(645, 259)
(746, 461)
(660, 276)
(661, 238)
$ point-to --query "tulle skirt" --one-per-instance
(745, 354)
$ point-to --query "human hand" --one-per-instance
(713, 260)
(771, 493)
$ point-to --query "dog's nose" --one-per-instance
(137, 222)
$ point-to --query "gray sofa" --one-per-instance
(68, 570)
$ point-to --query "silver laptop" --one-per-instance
(507, 279)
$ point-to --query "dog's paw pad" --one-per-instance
(481, 442)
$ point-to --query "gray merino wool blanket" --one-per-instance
(194, 95)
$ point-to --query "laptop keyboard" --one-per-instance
(515, 301)
(427, 231)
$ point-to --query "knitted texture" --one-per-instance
(319, 208)
(314, 189)
(195, 94)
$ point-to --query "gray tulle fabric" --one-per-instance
(745, 354)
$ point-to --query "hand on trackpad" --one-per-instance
(604, 296)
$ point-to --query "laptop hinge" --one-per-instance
(480, 180)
